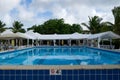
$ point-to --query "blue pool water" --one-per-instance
(60, 56)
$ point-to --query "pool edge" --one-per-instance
(42, 67)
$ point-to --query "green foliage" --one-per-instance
(57, 26)
(106, 26)
(94, 24)
(17, 27)
(116, 14)
(2, 26)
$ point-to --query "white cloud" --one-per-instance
(24, 14)
(7, 19)
(7, 5)
(73, 11)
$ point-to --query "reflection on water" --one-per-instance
(59, 56)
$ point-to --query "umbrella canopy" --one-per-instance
(105, 35)
(23, 35)
(8, 34)
(31, 33)
(77, 35)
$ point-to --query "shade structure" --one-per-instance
(105, 35)
(54, 37)
(77, 35)
(8, 34)
(23, 35)
(31, 33)
(64, 36)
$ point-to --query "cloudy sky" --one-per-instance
(31, 12)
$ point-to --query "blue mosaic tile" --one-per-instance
(86, 71)
(69, 77)
(81, 71)
(75, 72)
(87, 77)
(92, 72)
(18, 77)
(109, 71)
(106, 74)
(1, 77)
(109, 77)
(29, 77)
(104, 71)
(52, 77)
(70, 72)
(75, 77)
(17, 71)
(12, 77)
(35, 77)
(6, 71)
(64, 77)
(46, 77)
(99, 71)
(115, 77)
(115, 71)
(14, 72)
(98, 77)
(81, 77)
(92, 77)
(41, 72)
(119, 71)
(23, 71)
(58, 77)
(1, 71)
(29, 72)
(64, 72)
(103, 77)
(46, 72)
(35, 72)
(41, 77)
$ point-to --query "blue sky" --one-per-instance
(31, 12)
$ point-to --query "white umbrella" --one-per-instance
(8, 34)
(31, 33)
(23, 35)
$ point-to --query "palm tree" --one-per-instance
(2, 25)
(116, 14)
(94, 24)
(106, 26)
(17, 27)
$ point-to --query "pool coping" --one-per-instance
(43, 67)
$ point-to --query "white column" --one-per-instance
(32, 42)
(99, 42)
(54, 41)
(110, 43)
(27, 42)
(16, 42)
(70, 42)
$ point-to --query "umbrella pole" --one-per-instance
(16, 42)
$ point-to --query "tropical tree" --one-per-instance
(2, 26)
(94, 24)
(56, 26)
(106, 26)
(76, 28)
(17, 27)
(116, 14)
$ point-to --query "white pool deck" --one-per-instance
(62, 67)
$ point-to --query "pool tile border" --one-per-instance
(42, 67)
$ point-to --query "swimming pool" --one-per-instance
(60, 56)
